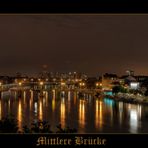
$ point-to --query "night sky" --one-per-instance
(92, 44)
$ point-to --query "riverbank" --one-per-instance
(130, 98)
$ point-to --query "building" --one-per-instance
(108, 81)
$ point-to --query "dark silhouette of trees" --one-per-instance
(40, 127)
(65, 130)
(118, 88)
(146, 93)
(8, 125)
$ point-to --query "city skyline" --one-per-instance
(92, 44)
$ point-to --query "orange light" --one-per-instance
(20, 83)
(41, 83)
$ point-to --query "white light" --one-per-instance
(35, 107)
(133, 115)
(134, 85)
(54, 79)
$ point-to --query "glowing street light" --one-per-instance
(41, 83)
(62, 83)
(82, 84)
(32, 79)
(97, 84)
(20, 83)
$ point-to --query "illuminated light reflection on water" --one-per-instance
(87, 114)
(63, 112)
(40, 110)
(82, 114)
(19, 116)
(135, 117)
(98, 117)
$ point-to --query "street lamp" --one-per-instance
(97, 84)
(41, 83)
(62, 83)
(20, 83)
(32, 79)
(82, 84)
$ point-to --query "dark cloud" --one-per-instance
(93, 44)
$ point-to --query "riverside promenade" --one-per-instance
(130, 98)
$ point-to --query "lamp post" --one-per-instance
(20, 83)
(19, 90)
(82, 84)
(41, 91)
(41, 84)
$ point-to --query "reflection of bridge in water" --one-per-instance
(48, 86)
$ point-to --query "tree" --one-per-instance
(118, 88)
(8, 125)
(40, 127)
(146, 93)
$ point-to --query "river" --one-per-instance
(87, 115)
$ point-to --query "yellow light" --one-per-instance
(97, 84)
(80, 84)
(19, 115)
(63, 111)
(41, 83)
(0, 83)
(100, 84)
(20, 83)
(40, 110)
(82, 113)
(62, 83)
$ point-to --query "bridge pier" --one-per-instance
(19, 93)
